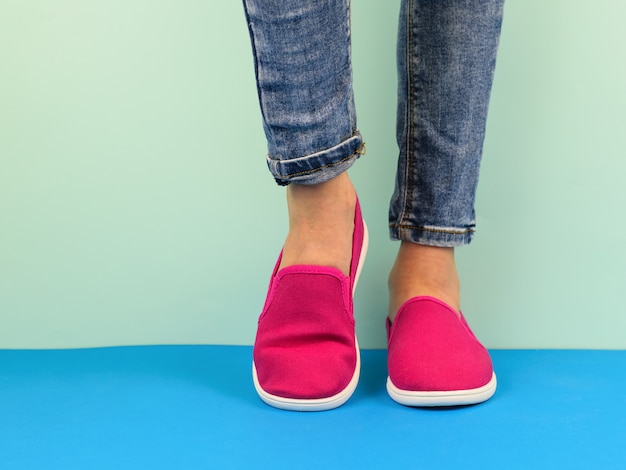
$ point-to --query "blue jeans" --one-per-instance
(446, 59)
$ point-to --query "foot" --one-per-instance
(321, 224)
(421, 270)
(434, 359)
(306, 356)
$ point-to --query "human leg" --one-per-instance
(305, 354)
(446, 58)
(304, 80)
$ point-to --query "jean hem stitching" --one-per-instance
(356, 154)
(432, 229)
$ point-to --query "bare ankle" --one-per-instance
(423, 270)
(321, 223)
(313, 200)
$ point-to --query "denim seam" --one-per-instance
(253, 40)
(409, 115)
(358, 153)
(351, 105)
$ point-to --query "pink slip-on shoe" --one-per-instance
(434, 359)
(306, 356)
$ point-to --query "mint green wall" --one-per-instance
(135, 206)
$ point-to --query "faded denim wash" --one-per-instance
(446, 60)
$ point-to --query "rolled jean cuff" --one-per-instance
(320, 166)
(448, 237)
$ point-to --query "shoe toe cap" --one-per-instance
(433, 349)
(303, 373)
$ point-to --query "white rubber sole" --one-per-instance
(447, 398)
(320, 404)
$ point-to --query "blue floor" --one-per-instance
(180, 407)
